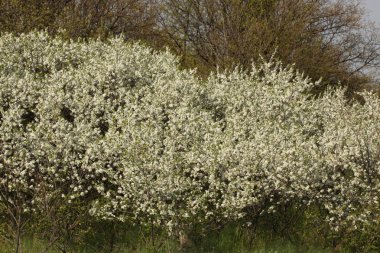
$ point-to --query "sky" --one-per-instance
(373, 9)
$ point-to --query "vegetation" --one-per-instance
(108, 145)
(323, 38)
(107, 137)
(226, 240)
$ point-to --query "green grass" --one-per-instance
(229, 240)
(34, 246)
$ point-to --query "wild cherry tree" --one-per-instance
(121, 131)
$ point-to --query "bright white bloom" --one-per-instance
(120, 127)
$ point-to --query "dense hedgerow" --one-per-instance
(119, 128)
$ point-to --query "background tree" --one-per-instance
(322, 37)
(80, 18)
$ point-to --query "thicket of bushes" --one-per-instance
(118, 133)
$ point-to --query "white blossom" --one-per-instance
(118, 126)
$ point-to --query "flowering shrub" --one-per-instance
(119, 127)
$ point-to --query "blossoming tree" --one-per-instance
(120, 129)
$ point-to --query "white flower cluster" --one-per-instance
(120, 127)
